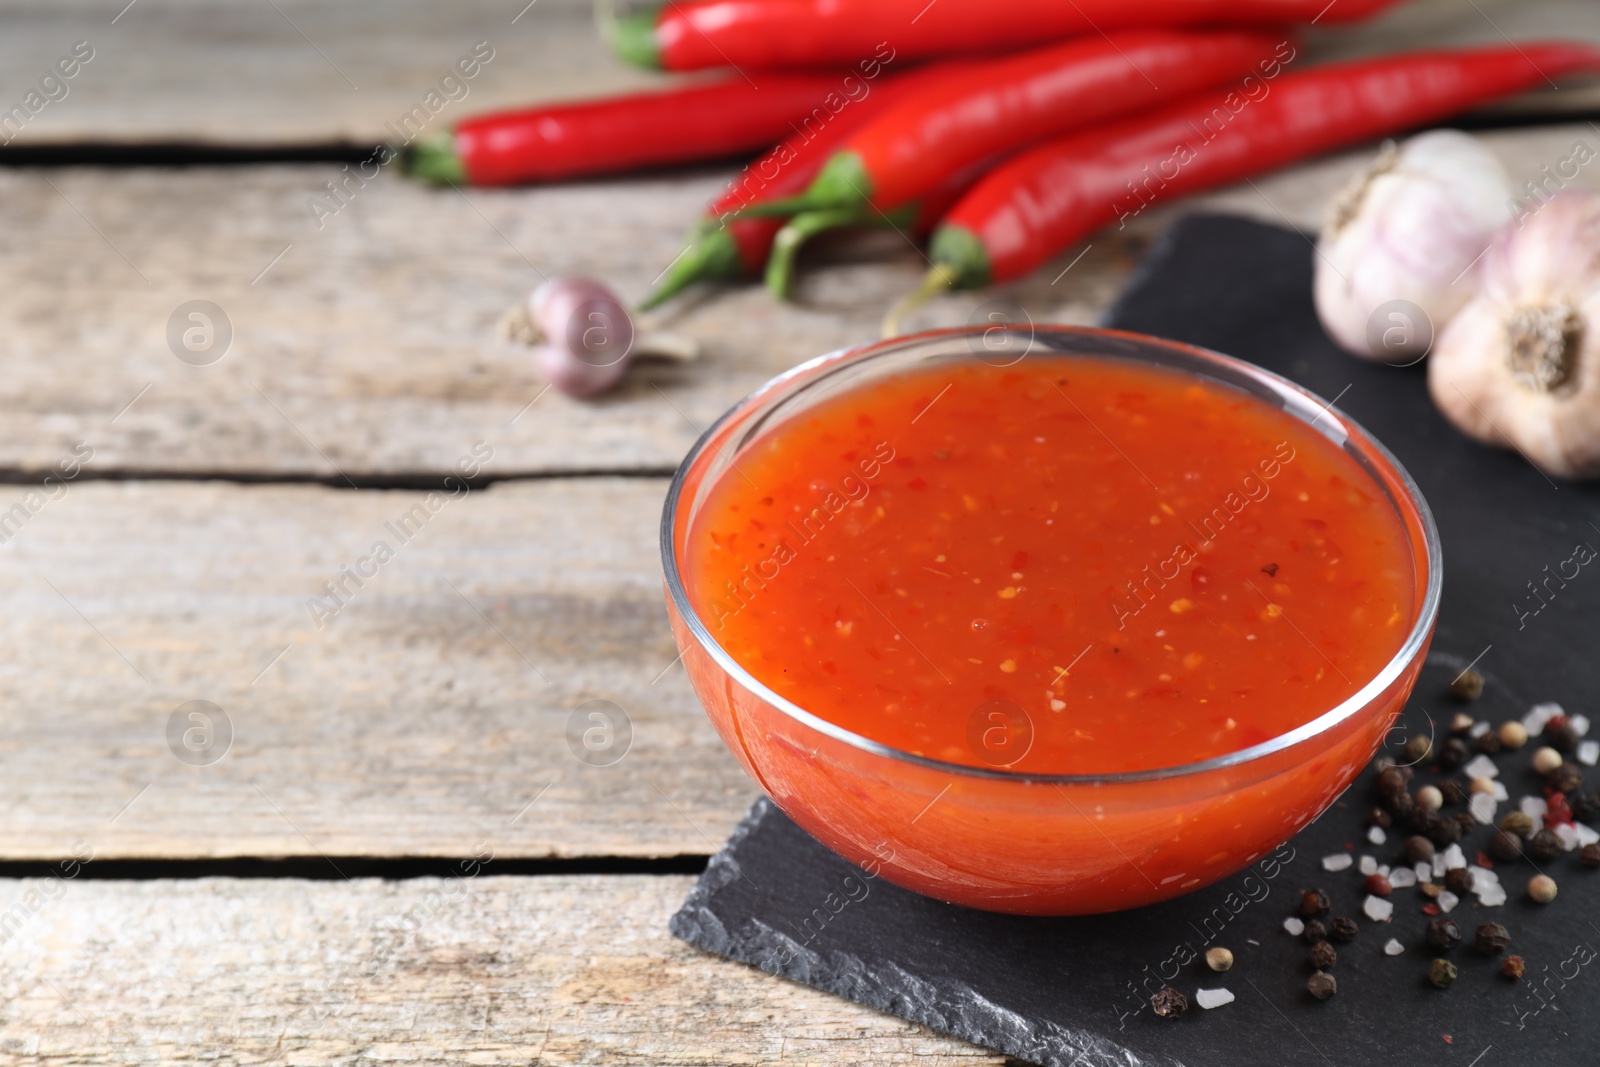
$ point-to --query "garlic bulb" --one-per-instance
(1399, 243)
(1519, 366)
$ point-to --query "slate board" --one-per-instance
(1067, 991)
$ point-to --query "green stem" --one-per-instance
(711, 254)
(631, 37)
(433, 159)
(801, 228)
(939, 278)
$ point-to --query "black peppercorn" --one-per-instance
(1420, 818)
(1468, 685)
(1585, 806)
(1445, 831)
(1453, 753)
(1169, 1003)
(1322, 985)
(1505, 847)
(1315, 931)
(1323, 955)
(1513, 968)
(1380, 818)
(1489, 744)
(1452, 792)
(1543, 846)
(1467, 823)
(1401, 803)
(1391, 781)
(1419, 850)
(1444, 933)
(1568, 778)
(1559, 734)
(1418, 748)
(1313, 902)
(1491, 938)
(1459, 880)
(1442, 973)
(1343, 929)
(1589, 855)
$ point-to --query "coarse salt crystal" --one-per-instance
(1589, 753)
(1424, 872)
(1538, 715)
(1479, 729)
(1454, 857)
(1534, 808)
(1483, 876)
(1579, 724)
(1402, 878)
(1447, 900)
(1392, 947)
(1586, 835)
(1383, 869)
(1481, 767)
(1295, 926)
(1376, 835)
(1367, 865)
(1492, 896)
(1337, 862)
(1568, 835)
(1212, 998)
(1438, 865)
(1499, 791)
(1376, 908)
(1482, 807)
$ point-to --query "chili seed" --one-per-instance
(1543, 846)
(1219, 958)
(1513, 734)
(1491, 938)
(1418, 748)
(1459, 880)
(1453, 753)
(1323, 955)
(1505, 846)
(1344, 929)
(1419, 850)
(1442, 973)
(1513, 968)
(1443, 933)
(1589, 855)
(1377, 885)
(1468, 685)
(1518, 822)
(1322, 985)
(1542, 888)
(1313, 902)
(1169, 1003)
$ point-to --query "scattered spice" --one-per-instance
(1468, 685)
(1453, 753)
(1546, 760)
(1442, 973)
(1443, 933)
(1428, 889)
(1567, 778)
(1322, 985)
(1519, 823)
(1542, 888)
(1344, 929)
(1461, 723)
(1589, 856)
(1315, 931)
(1323, 955)
(1445, 831)
(1490, 744)
(1380, 818)
(1544, 846)
(1483, 786)
(1313, 902)
(1467, 821)
(1585, 806)
(1420, 850)
(1452, 792)
(1505, 847)
(1491, 938)
(1270, 570)
(1418, 748)
(1219, 958)
(1513, 968)
(1513, 735)
(1169, 1003)
(1430, 798)
(1560, 735)
(1459, 880)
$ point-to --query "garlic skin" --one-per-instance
(1519, 366)
(1408, 228)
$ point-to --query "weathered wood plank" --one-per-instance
(569, 970)
(368, 347)
(429, 713)
(241, 73)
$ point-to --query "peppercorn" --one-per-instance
(1559, 734)
(1459, 880)
(1323, 955)
(1489, 744)
(1585, 806)
(1394, 778)
(1380, 818)
(1344, 929)
(1491, 938)
(1505, 847)
(1322, 985)
(1545, 760)
(1453, 753)
(1377, 884)
(1482, 785)
(1468, 685)
(1313, 902)
(1452, 792)
(1219, 958)
(1442, 973)
(1589, 855)
(1542, 888)
(1315, 931)
(1460, 723)
(1430, 798)
(1444, 831)
(1513, 968)
(1513, 734)
(1444, 933)
(1568, 778)
(1419, 850)
(1402, 804)
(1418, 748)
(1517, 822)
(1543, 846)
(1169, 1003)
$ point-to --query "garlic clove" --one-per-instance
(1398, 247)
(1519, 367)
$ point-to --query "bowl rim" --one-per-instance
(776, 388)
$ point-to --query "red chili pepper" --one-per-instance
(724, 249)
(757, 34)
(624, 132)
(1000, 105)
(1047, 198)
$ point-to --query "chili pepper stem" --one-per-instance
(711, 254)
(842, 182)
(786, 245)
(433, 158)
(940, 277)
(632, 37)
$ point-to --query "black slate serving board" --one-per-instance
(1067, 991)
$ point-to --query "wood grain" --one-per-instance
(368, 348)
(236, 72)
(485, 969)
(430, 713)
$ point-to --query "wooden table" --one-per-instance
(397, 858)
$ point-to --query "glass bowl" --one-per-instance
(1025, 842)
